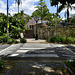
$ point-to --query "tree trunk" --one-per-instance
(68, 13)
(68, 18)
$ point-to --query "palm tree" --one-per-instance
(18, 2)
(55, 3)
(67, 5)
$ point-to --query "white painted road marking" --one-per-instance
(40, 55)
(22, 51)
(14, 55)
(31, 48)
(6, 48)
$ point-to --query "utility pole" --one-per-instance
(7, 23)
(56, 21)
(41, 13)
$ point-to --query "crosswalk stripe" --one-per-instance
(23, 51)
(31, 48)
(14, 55)
(6, 48)
(35, 55)
(41, 55)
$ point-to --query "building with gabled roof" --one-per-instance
(32, 23)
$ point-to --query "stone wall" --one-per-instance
(46, 32)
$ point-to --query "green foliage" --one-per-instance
(10, 41)
(41, 11)
(2, 23)
(70, 40)
(3, 39)
(63, 39)
(16, 24)
(60, 39)
(15, 33)
(15, 41)
(72, 20)
(23, 40)
(71, 64)
(1, 33)
(55, 2)
(64, 4)
(55, 39)
(1, 64)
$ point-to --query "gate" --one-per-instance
(29, 34)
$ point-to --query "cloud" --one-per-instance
(27, 5)
(3, 7)
(72, 11)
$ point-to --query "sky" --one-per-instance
(28, 6)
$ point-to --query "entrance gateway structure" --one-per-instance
(31, 25)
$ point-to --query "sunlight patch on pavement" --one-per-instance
(14, 54)
(22, 51)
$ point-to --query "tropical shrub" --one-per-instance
(15, 34)
(3, 39)
(63, 39)
(10, 41)
(60, 39)
(55, 39)
(1, 33)
(23, 40)
(70, 40)
(15, 41)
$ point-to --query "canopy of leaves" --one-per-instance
(45, 14)
(18, 1)
(41, 11)
(3, 21)
(17, 23)
(55, 2)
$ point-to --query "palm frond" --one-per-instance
(69, 6)
(61, 7)
(73, 7)
(18, 2)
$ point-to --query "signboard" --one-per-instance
(8, 25)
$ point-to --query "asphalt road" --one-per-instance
(31, 50)
(3, 46)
